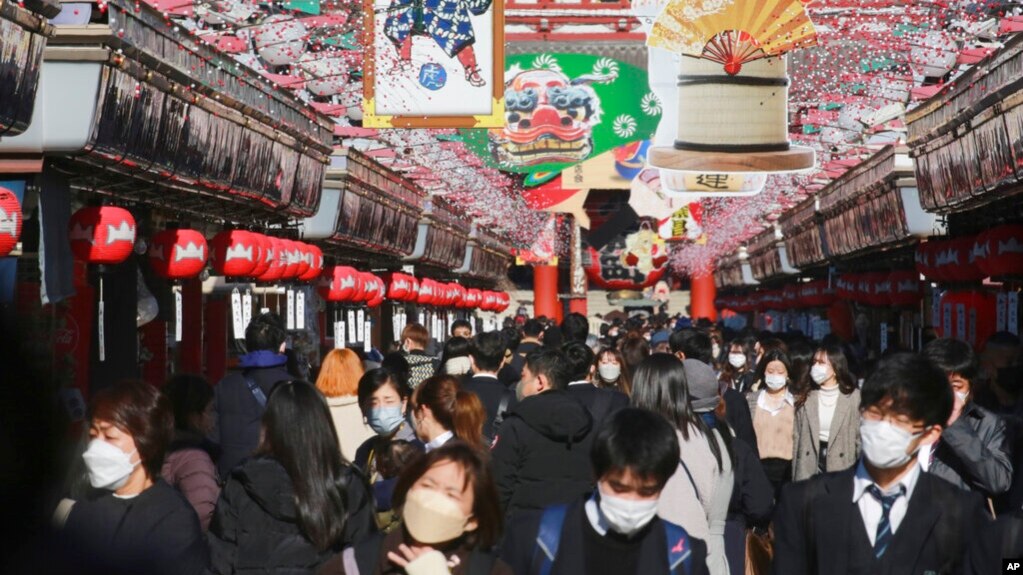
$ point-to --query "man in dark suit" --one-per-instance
(691, 343)
(884, 516)
(486, 356)
(601, 403)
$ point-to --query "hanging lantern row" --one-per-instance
(344, 284)
(884, 289)
(243, 254)
(997, 252)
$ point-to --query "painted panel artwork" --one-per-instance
(562, 109)
(434, 63)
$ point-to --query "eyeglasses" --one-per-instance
(875, 414)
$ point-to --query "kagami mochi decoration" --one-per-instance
(732, 85)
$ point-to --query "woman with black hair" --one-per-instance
(738, 365)
(450, 521)
(189, 463)
(826, 426)
(774, 412)
(454, 360)
(697, 495)
(296, 502)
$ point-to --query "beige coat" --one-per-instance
(352, 431)
(703, 515)
(843, 439)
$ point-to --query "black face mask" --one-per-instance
(1011, 378)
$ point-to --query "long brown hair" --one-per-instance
(485, 508)
(624, 383)
(459, 411)
(340, 373)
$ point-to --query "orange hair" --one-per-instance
(340, 373)
(456, 409)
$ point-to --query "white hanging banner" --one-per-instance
(100, 334)
(422, 318)
(946, 320)
(1012, 323)
(177, 313)
(360, 325)
(960, 321)
(884, 337)
(300, 309)
(247, 308)
(339, 334)
(936, 308)
(236, 314)
(367, 344)
(1001, 311)
(396, 324)
(291, 309)
(404, 322)
(351, 326)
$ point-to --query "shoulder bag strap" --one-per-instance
(679, 554)
(256, 391)
(548, 538)
(690, 476)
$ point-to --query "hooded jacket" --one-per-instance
(255, 528)
(541, 454)
(238, 412)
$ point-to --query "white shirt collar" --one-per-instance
(862, 480)
(762, 401)
(440, 440)
(594, 515)
(581, 382)
(490, 375)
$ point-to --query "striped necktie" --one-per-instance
(884, 527)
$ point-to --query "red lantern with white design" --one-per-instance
(10, 221)
(398, 286)
(330, 284)
(503, 301)
(906, 288)
(348, 283)
(102, 235)
(427, 292)
(473, 297)
(235, 253)
(414, 294)
(378, 291)
(178, 254)
(999, 251)
(266, 254)
(314, 257)
(278, 265)
(845, 286)
(460, 302)
(969, 316)
(790, 296)
(954, 261)
(923, 259)
(302, 258)
(489, 301)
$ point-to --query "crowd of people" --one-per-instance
(647, 446)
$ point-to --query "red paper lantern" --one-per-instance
(503, 301)
(969, 316)
(473, 297)
(954, 261)
(999, 251)
(275, 271)
(103, 235)
(489, 301)
(398, 286)
(427, 292)
(790, 296)
(302, 258)
(845, 286)
(370, 289)
(906, 288)
(923, 259)
(330, 287)
(266, 254)
(881, 289)
(314, 257)
(10, 221)
(178, 254)
(291, 261)
(235, 253)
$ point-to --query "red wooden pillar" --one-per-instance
(701, 297)
(545, 292)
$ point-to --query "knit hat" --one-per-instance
(703, 385)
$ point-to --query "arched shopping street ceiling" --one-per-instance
(873, 61)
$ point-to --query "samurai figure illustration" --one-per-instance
(446, 21)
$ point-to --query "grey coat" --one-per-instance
(972, 453)
(843, 439)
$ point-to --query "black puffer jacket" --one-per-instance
(255, 528)
(541, 454)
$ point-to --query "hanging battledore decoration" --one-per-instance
(732, 93)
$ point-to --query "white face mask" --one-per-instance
(609, 371)
(736, 360)
(627, 516)
(109, 467)
(775, 381)
(715, 351)
(884, 445)
(820, 373)
(962, 396)
(432, 517)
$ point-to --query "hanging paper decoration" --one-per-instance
(473, 298)
(10, 221)
(280, 40)
(178, 254)
(234, 253)
(427, 292)
(266, 253)
(102, 235)
(561, 109)
(999, 251)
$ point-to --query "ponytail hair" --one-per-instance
(457, 410)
